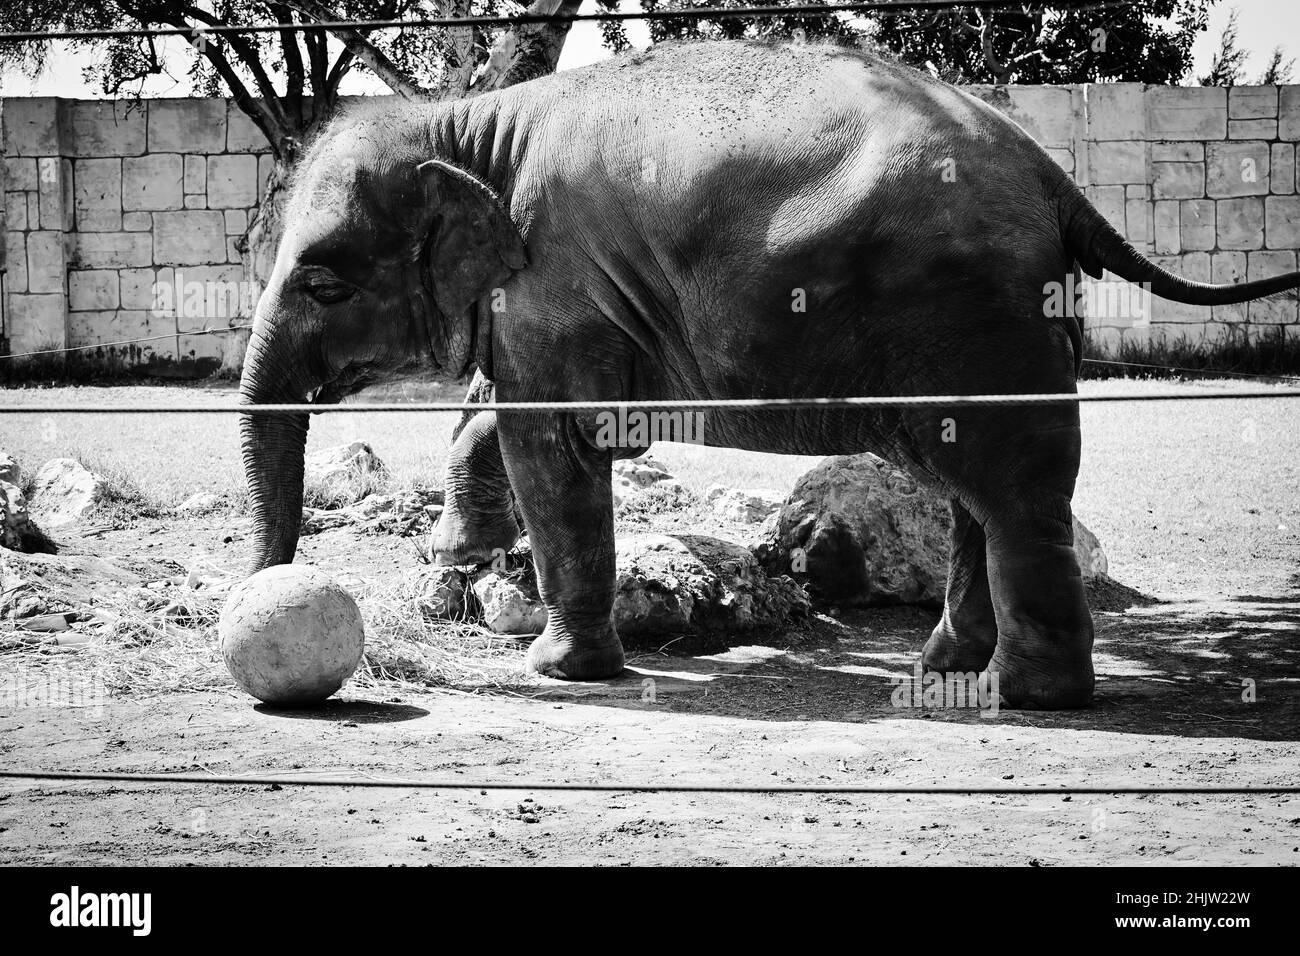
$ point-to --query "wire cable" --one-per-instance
(401, 784)
(717, 404)
(884, 7)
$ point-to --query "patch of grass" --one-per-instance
(339, 491)
(1274, 354)
(134, 648)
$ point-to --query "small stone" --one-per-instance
(200, 503)
(745, 505)
(440, 593)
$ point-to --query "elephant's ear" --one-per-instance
(472, 245)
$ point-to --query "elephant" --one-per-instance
(710, 220)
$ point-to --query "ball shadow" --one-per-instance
(357, 711)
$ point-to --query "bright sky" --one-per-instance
(1263, 24)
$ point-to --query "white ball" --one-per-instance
(290, 636)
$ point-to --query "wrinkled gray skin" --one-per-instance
(646, 224)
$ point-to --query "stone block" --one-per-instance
(1168, 238)
(1282, 222)
(152, 182)
(137, 221)
(196, 175)
(1236, 169)
(1178, 180)
(1281, 169)
(1063, 157)
(1116, 111)
(1196, 224)
(20, 171)
(1044, 112)
(1228, 268)
(197, 201)
(36, 322)
(1137, 220)
(187, 125)
(194, 237)
(1109, 201)
(97, 194)
(136, 289)
(1252, 129)
(1288, 113)
(236, 222)
(45, 261)
(15, 260)
(1252, 102)
(31, 126)
(111, 250)
(16, 212)
(50, 200)
(1240, 223)
(1265, 265)
(92, 290)
(1117, 162)
(242, 134)
(1187, 112)
(103, 128)
(232, 182)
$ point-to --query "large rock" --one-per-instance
(859, 531)
(671, 584)
(666, 584)
(343, 474)
(16, 527)
(66, 491)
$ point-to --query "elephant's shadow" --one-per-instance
(1207, 668)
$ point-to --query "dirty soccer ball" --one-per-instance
(290, 636)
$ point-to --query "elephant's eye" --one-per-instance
(325, 287)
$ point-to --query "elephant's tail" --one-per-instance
(1097, 245)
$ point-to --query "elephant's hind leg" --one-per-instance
(1044, 651)
(966, 635)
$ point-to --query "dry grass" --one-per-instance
(132, 646)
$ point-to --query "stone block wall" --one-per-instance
(1200, 179)
(105, 202)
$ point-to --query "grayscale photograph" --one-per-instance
(608, 433)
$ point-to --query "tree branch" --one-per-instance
(365, 52)
(527, 51)
(293, 68)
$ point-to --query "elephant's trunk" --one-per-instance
(273, 447)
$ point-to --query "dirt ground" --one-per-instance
(1213, 533)
(812, 706)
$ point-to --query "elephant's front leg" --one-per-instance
(562, 482)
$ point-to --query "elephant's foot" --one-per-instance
(950, 650)
(593, 656)
(1040, 683)
(459, 541)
